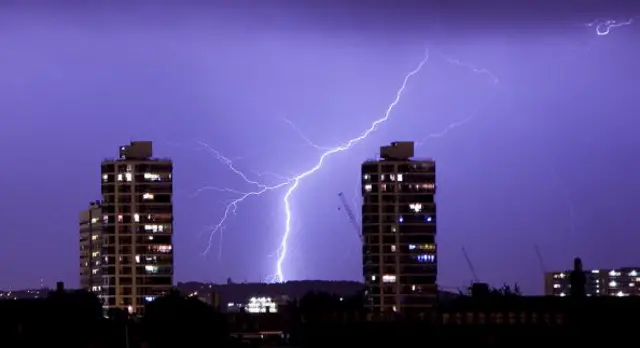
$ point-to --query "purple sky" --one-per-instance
(548, 156)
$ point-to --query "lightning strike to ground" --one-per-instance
(284, 247)
(603, 28)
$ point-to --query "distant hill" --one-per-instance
(241, 292)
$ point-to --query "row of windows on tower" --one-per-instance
(404, 259)
(414, 167)
(406, 208)
(409, 178)
(402, 188)
(392, 278)
(149, 167)
(128, 177)
(136, 218)
(391, 218)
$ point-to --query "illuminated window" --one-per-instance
(426, 258)
(416, 207)
(427, 246)
(163, 249)
(368, 187)
(388, 278)
(147, 196)
(400, 177)
(151, 177)
(154, 228)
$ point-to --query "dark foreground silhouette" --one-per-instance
(487, 318)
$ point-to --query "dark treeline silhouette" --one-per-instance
(178, 321)
(69, 318)
(75, 319)
(485, 317)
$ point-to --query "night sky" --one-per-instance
(538, 116)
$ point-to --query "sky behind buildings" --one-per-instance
(537, 114)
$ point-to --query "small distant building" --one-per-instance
(600, 282)
(257, 304)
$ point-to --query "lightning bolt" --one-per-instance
(604, 27)
(480, 71)
(304, 137)
(231, 208)
(295, 181)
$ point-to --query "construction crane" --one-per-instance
(350, 215)
(540, 260)
(471, 268)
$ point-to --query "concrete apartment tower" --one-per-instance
(91, 248)
(399, 230)
(136, 229)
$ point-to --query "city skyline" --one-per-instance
(532, 132)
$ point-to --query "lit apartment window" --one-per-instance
(388, 278)
(415, 207)
(151, 177)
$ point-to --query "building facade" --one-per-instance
(600, 282)
(136, 220)
(399, 230)
(91, 248)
